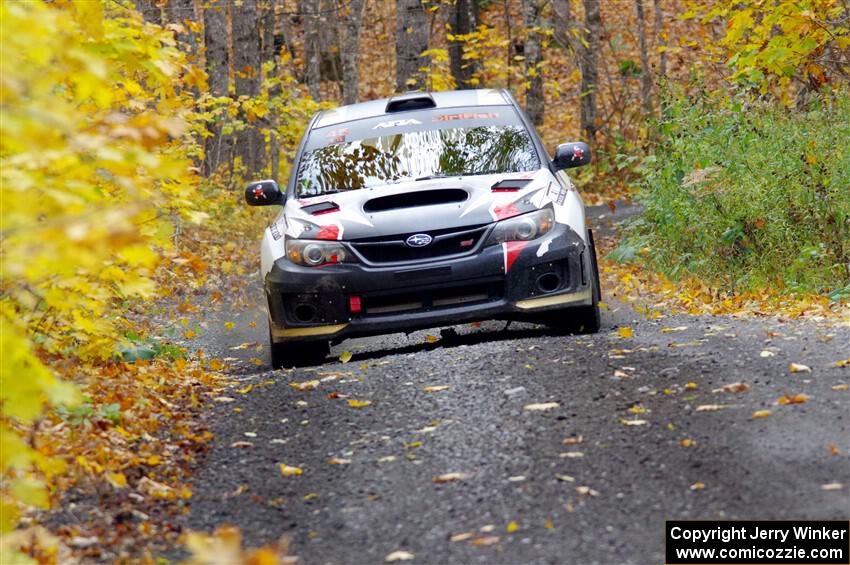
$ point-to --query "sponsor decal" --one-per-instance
(578, 154)
(465, 116)
(512, 249)
(557, 192)
(505, 211)
(337, 135)
(398, 123)
(419, 240)
(276, 235)
(329, 232)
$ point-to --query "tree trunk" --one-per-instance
(411, 39)
(645, 74)
(216, 148)
(351, 50)
(563, 19)
(590, 68)
(247, 67)
(150, 11)
(661, 42)
(533, 58)
(312, 52)
(461, 21)
(267, 27)
(179, 11)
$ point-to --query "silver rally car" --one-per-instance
(424, 210)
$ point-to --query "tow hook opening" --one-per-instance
(305, 313)
(548, 282)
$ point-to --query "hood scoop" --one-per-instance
(321, 208)
(510, 185)
(416, 199)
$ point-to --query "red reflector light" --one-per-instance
(506, 189)
(354, 304)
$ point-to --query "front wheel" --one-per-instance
(298, 354)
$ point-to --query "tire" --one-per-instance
(298, 354)
(585, 319)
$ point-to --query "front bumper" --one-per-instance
(508, 282)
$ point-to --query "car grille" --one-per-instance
(387, 303)
(446, 243)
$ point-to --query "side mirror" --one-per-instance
(263, 193)
(569, 155)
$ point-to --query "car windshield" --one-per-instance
(415, 155)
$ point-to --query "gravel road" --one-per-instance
(650, 435)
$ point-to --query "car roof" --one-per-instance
(446, 99)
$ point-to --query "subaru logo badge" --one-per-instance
(419, 240)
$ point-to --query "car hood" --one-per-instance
(416, 206)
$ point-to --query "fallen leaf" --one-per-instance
(733, 387)
(548, 524)
(633, 422)
(565, 478)
(118, 480)
(795, 399)
(345, 357)
(761, 414)
(832, 486)
(463, 536)
(572, 440)
(842, 386)
(398, 556)
(697, 486)
(224, 399)
(621, 374)
(711, 407)
(387, 459)
(358, 403)
(484, 541)
(449, 477)
(241, 444)
(516, 479)
(691, 386)
(306, 385)
(487, 529)
(512, 527)
(842, 363)
(337, 461)
(687, 443)
(637, 409)
(288, 471)
(572, 454)
(625, 331)
(767, 353)
(436, 388)
(309, 496)
(676, 329)
(431, 338)
(541, 406)
(833, 450)
(587, 490)
(413, 445)
(799, 368)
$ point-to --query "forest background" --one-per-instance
(128, 128)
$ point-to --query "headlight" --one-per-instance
(313, 253)
(523, 228)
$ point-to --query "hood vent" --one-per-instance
(416, 199)
(321, 208)
(510, 185)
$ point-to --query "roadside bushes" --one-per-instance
(747, 197)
